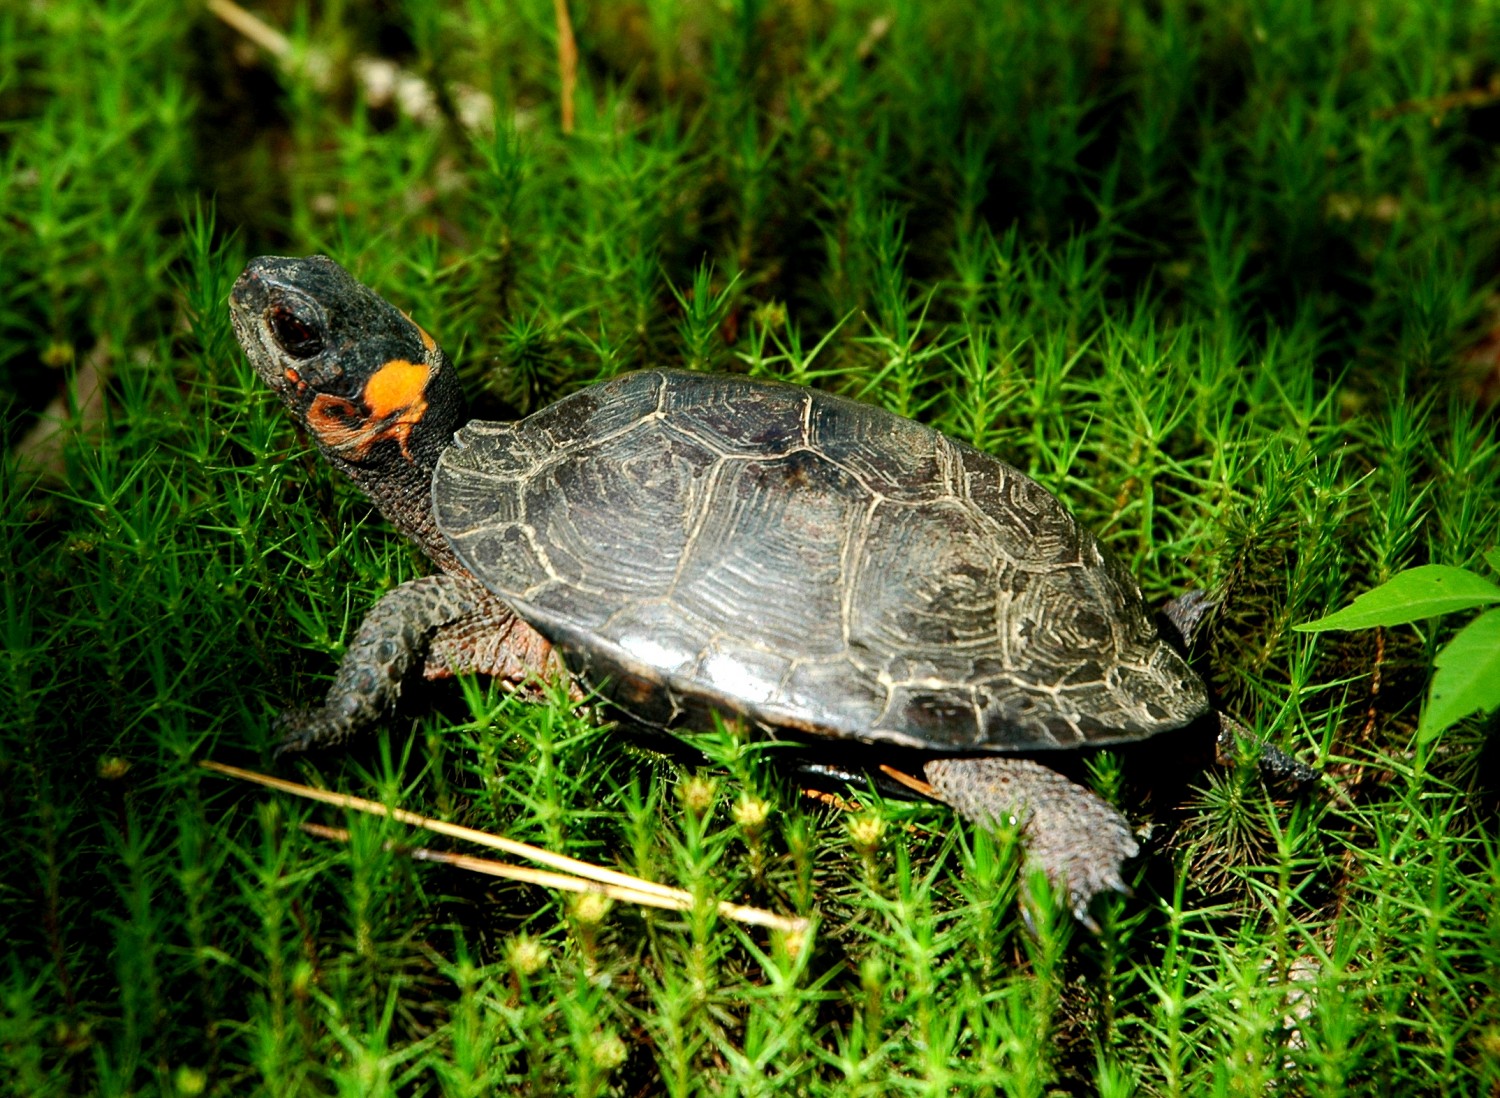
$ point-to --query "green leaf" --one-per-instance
(1492, 558)
(1417, 593)
(1467, 676)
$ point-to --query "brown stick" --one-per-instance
(1437, 106)
(261, 33)
(384, 82)
(1373, 712)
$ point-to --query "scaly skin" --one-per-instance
(1078, 839)
(392, 639)
(489, 639)
(446, 624)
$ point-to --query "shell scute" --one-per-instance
(737, 416)
(937, 716)
(926, 581)
(835, 694)
(1034, 531)
(588, 415)
(617, 514)
(896, 458)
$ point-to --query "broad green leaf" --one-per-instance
(1412, 595)
(1467, 676)
(1492, 558)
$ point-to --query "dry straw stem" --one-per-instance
(384, 82)
(548, 879)
(567, 64)
(78, 409)
(628, 888)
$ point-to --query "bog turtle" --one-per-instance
(690, 544)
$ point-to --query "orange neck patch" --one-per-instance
(394, 404)
(396, 386)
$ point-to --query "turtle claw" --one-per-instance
(300, 730)
(1079, 903)
(1087, 882)
(296, 731)
(1089, 923)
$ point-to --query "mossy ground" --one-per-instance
(1210, 273)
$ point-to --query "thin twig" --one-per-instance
(661, 895)
(77, 411)
(567, 63)
(833, 800)
(257, 30)
(1373, 712)
(384, 82)
(907, 780)
(453, 831)
(1438, 106)
(565, 883)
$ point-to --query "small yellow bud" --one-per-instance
(608, 1052)
(770, 315)
(526, 954)
(865, 832)
(697, 794)
(750, 812)
(590, 908)
(793, 942)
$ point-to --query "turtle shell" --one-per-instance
(697, 543)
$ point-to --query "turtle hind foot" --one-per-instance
(1275, 765)
(1079, 840)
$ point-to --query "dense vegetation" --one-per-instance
(1214, 274)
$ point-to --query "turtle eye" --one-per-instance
(293, 334)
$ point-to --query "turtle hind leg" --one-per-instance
(1077, 838)
(1274, 764)
(444, 624)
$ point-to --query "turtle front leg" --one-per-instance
(1078, 839)
(490, 639)
(443, 623)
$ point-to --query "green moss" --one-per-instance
(1209, 275)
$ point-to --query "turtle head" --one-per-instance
(374, 390)
(364, 379)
